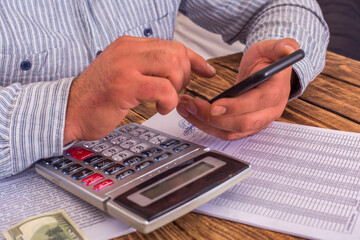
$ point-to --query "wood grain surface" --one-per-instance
(331, 101)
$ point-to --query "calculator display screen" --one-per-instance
(180, 184)
(177, 180)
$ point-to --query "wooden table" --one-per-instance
(331, 101)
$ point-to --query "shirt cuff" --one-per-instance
(37, 122)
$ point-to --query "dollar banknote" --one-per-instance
(49, 226)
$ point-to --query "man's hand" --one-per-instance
(249, 113)
(129, 71)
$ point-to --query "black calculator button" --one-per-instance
(72, 169)
(144, 165)
(162, 157)
(82, 174)
(151, 152)
(52, 160)
(125, 174)
(113, 169)
(93, 159)
(103, 164)
(133, 160)
(62, 164)
(170, 143)
(181, 147)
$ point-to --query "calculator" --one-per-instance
(142, 176)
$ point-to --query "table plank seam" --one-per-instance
(227, 67)
(196, 94)
(329, 110)
(340, 80)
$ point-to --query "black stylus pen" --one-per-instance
(261, 76)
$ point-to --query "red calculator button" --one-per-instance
(103, 184)
(79, 153)
(92, 179)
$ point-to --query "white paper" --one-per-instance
(29, 194)
(306, 180)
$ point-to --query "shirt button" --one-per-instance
(148, 32)
(98, 53)
(25, 65)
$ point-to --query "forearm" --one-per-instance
(32, 119)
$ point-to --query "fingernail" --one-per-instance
(182, 110)
(183, 99)
(211, 69)
(218, 110)
(191, 108)
(291, 48)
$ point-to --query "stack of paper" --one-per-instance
(306, 180)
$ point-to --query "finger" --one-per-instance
(217, 132)
(199, 64)
(277, 49)
(244, 123)
(159, 90)
(181, 108)
(164, 64)
(236, 123)
(185, 98)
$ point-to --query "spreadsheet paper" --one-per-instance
(306, 180)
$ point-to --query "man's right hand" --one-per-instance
(129, 71)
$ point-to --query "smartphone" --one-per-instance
(261, 76)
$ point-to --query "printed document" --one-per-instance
(28, 194)
(306, 180)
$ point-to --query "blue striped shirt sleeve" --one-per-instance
(33, 118)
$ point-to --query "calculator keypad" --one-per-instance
(121, 155)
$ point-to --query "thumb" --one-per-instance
(199, 64)
(284, 47)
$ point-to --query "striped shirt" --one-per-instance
(44, 44)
